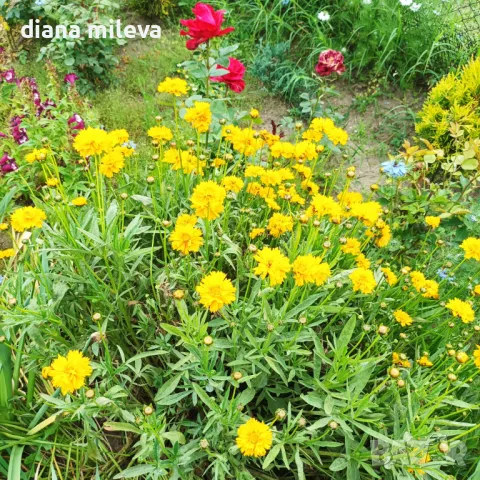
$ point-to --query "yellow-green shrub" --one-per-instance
(451, 112)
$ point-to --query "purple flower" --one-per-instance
(7, 164)
(76, 123)
(71, 78)
(9, 75)
(19, 134)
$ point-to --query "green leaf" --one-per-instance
(136, 471)
(210, 402)
(168, 387)
(121, 427)
(344, 338)
(15, 464)
(339, 464)
(272, 455)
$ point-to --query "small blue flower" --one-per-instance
(472, 218)
(395, 169)
(40, 3)
(443, 274)
(285, 2)
(1, 279)
(130, 144)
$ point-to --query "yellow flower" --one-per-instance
(111, 163)
(26, 218)
(207, 200)
(216, 290)
(232, 183)
(476, 356)
(471, 246)
(398, 360)
(305, 151)
(185, 219)
(246, 141)
(273, 263)
(282, 149)
(173, 86)
(254, 171)
(476, 289)
(349, 198)
(430, 289)
(309, 269)
(390, 276)
(324, 206)
(3, 226)
(362, 261)
(351, 246)
(433, 222)
(118, 137)
(199, 116)
(254, 438)
(254, 113)
(403, 318)
(424, 361)
(92, 141)
(363, 280)
(69, 373)
(9, 252)
(280, 224)
(79, 201)
(461, 309)
(256, 232)
(52, 182)
(385, 237)
(367, 212)
(186, 238)
(160, 134)
(36, 155)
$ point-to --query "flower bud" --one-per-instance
(333, 425)
(148, 410)
(90, 393)
(208, 340)
(96, 317)
(178, 294)
(237, 376)
(204, 444)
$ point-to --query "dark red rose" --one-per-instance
(206, 24)
(330, 61)
(234, 77)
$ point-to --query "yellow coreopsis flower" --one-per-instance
(385, 237)
(199, 116)
(173, 86)
(363, 280)
(92, 141)
(390, 276)
(69, 373)
(36, 155)
(398, 360)
(26, 218)
(433, 222)
(79, 201)
(216, 290)
(185, 219)
(256, 232)
(280, 224)
(3, 226)
(160, 133)
(362, 261)
(186, 238)
(403, 318)
(232, 183)
(309, 269)
(423, 361)
(476, 288)
(272, 263)
(461, 309)
(254, 438)
(9, 252)
(476, 356)
(367, 212)
(52, 182)
(112, 163)
(119, 137)
(471, 246)
(207, 200)
(351, 246)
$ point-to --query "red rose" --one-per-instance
(206, 24)
(234, 77)
(330, 61)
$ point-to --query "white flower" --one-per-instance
(406, 3)
(415, 7)
(323, 16)
(367, 2)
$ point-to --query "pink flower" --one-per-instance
(71, 78)
(330, 61)
(206, 24)
(234, 77)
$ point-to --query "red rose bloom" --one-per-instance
(234, 77)
(206, 24)
(330, 61)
